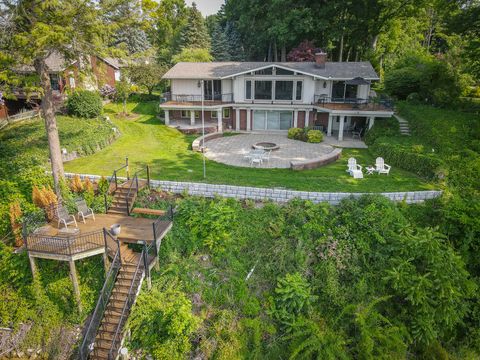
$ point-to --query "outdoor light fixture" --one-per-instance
(199, 83)
(324, 84)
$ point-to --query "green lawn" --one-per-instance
(146, 141)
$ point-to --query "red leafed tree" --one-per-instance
(305, 51)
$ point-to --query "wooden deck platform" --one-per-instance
(49, 242)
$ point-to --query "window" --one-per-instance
(212, 89)
(283, 90)
(267, 71)
(185, 114)
(54, 82)
(72, 82)
(263, 90)
(248, 89)
(117, 75)
(272, 120)
(298, 95)
(226, 113)
(281, 71)
(213, 114)
(340, 91)
(197, 114)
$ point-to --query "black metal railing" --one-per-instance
(224, 98)
(376, 103)
(113, 180)
(157, 228)
(64, 245)
(94, 323)
(130, 299)
(134, 187)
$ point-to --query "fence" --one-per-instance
(25, 115)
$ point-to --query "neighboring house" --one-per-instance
(65, 75)
(259, 96)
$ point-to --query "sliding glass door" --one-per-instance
(272, 120)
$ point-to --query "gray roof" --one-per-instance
(55, 62)
(219, 70)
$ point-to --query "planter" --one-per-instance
(115, 229)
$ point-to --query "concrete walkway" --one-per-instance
(231, 150)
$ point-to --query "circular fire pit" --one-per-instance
(268, 146)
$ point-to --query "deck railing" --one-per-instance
(64, 245)
(134, 187)
(94, 323)
(377, 103)
(224, 98)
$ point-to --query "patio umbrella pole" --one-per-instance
(203, 136)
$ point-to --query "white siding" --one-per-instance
(226, 86)
(185, 87)
(308, 90)
(239, 89)
(320, 90)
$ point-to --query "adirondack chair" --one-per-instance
(381, 167)
(354, 169)
(64, 217)
(83, 210)
(357, 133)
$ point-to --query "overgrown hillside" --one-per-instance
(303, 281)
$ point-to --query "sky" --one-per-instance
(206, 7)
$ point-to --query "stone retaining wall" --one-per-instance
(196, 144)
(317, 162)
(275, 194)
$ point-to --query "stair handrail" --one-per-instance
(134, 182)
(103, 299)
(126, 306)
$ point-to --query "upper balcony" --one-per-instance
(354, 104)
(185, 99)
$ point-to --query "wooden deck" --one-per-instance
(354, 107)
(50, 242)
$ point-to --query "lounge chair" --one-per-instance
(354, 169)
(357, 133)
(381, 167)
(64, 217)
(83, 210)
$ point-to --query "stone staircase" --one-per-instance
(112, 320)
(404, 128)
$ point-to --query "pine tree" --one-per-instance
(235, 47)
(195, 33)
(220, 46)
(134, 39)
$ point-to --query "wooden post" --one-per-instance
(33, 265)
(148, 176)
(167, 117)
(128, 171)
(106, 263)
(76, 286)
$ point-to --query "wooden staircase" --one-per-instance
(122, 193)
(128, 278)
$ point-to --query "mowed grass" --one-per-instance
(168, 152)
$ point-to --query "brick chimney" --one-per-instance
(320, 59)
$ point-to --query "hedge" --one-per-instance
(84, 104)
(421, 164)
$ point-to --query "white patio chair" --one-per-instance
(266, 156)
(381, 167)
(354, 169)
(83, 210)
(256, 160)
(64, 217)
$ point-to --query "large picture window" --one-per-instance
(248, 89)
(341, 92)
(272, 120)
(283, 90)
(212, 89)
(263, 90)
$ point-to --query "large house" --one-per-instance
(64, 75)
(275, 96)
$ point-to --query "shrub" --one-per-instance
(314, 136)
(295, 133)
(426, 166)
(84, 104)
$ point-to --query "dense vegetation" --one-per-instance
(305, 281)
(84, 104)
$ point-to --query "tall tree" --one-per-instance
(195, 34)
(39, 28)
(220, 48)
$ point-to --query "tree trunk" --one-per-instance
(269, 55)
(125, 106)
(375, 42)
(48, 113)
(275, 51)
(283, 56)
(340, 53)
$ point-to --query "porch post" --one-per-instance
(33, 265)
(192, 117)
(237, 119)
(295, 118)
(330, 124)
(219, 120)
(167, 117)
(371, 121)
(249, 118)
(76, 286)
(307, 118)
(340, 130)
